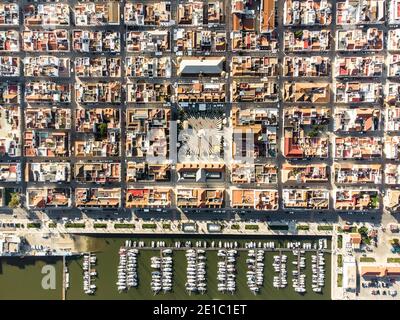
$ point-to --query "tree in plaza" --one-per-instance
(15, 200)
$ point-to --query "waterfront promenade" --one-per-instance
(158, 227)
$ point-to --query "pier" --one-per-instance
(217, 247)
(64, 281)
(89, 260)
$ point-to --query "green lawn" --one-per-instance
(325, 228)
(124, 226)
(74, 225)
(100, 225)
(340, 241)
(367, 259)
(303, 227)
(340, 280)
(339, 260)
(251, 227)
(35, 225)
(149, 226)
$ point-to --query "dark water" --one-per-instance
(107, 254)
(21, 278)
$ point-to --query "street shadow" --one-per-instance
(358, 217)
(24, 262)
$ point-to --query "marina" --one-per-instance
(255, 273)
(161, 276)
(151, 247)
(89, 273)
(298, 280)
(127, 268)
(107, 252)
(318, 270)
(279, 264)
(196, 271)
(226, 274)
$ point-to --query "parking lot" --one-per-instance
(379, 288)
